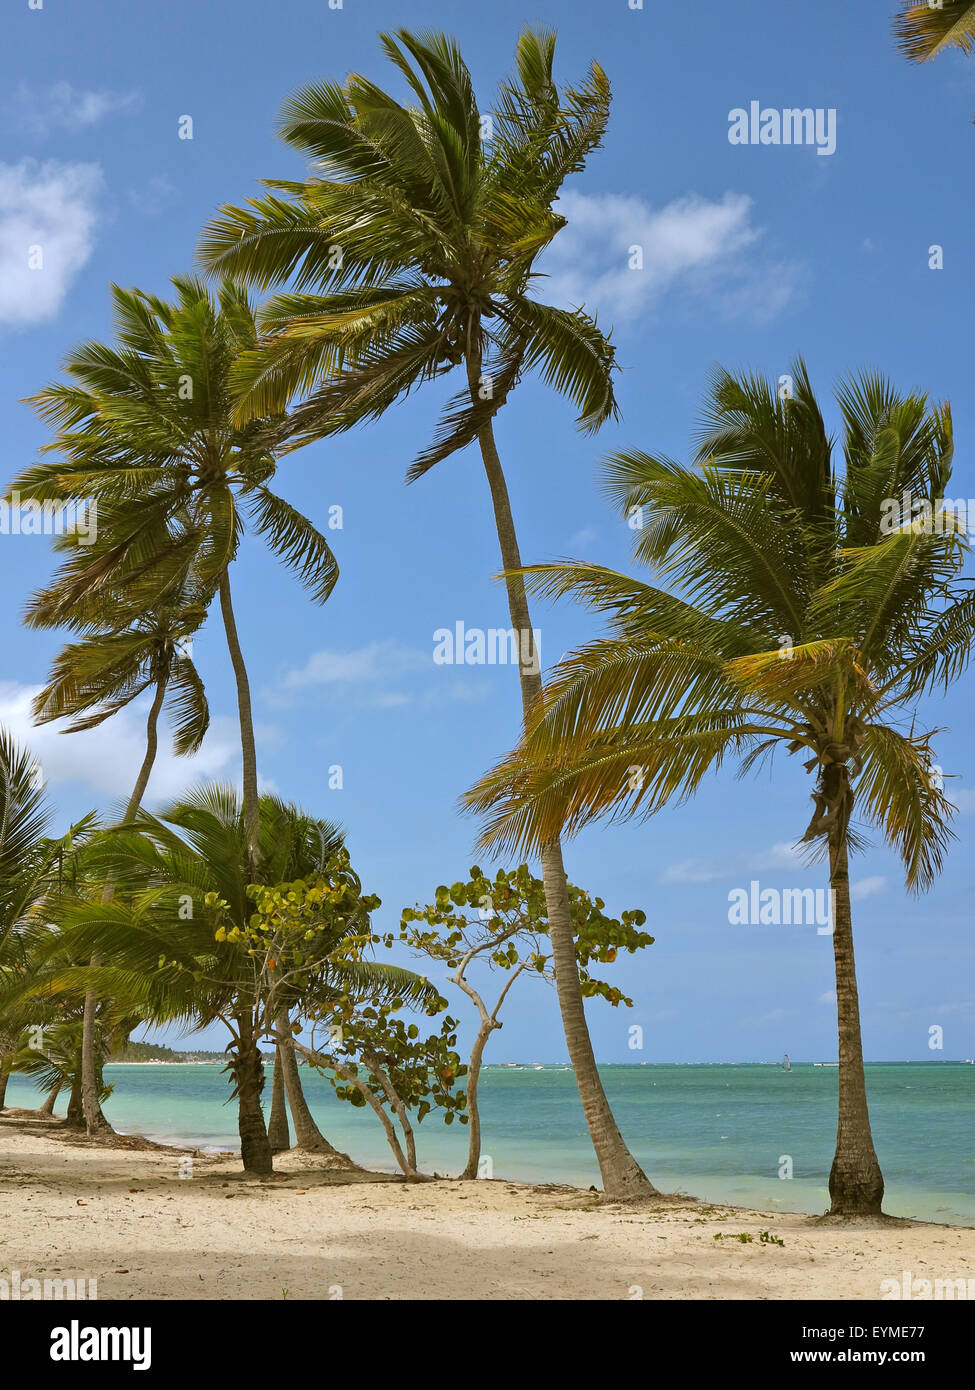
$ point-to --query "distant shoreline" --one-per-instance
(564, 1066)
(158, 1062)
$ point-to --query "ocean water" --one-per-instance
(717, 1132)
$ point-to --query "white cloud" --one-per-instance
(47, 220)
(692, 243)
(868, 887)
(371, 676)
(374, 662)
(689, 871)
(781, 856)
(828, 998)
(106, 759)
(41, 111)
(373, 669)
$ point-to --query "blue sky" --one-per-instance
(752, 254)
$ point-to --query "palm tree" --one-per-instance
(57, 1065)
(923, 30)
(796, 612)
(167, 961)
(30, 867)
(146, 429)
(24, 864)
(418, 233)
(117, 661)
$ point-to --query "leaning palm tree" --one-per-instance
(802, 607)
(176, 876)
(412, 251)
(118, 660)
(924, 30)
(146, 429)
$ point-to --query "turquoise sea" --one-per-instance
(717, 1132)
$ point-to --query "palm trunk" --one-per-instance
(4, 1078)
(95, 1121)
(623, 1178)
(856, 1184)
(278, 1134)
(75, 1117)
(252, 805)
(248, 1072)
(48, 1107)
(308, 1136)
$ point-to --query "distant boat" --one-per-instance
(825, 1064)
(786, 1064)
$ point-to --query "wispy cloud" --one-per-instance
(619, 255)
(962, 797)
(153, 196)
(47, 234)
(690, 871)
(868, 887)
(780, 856)
(375, 661)
(43, 110)
(376, 673)
(583, 540)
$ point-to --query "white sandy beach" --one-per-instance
(129, 1220)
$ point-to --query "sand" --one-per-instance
(127, 1218)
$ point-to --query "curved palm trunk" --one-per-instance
(856, 1184)
(95, 1121)
(247, 1067)
(248, 748)
(278, 1134)
(255, 1147)
(622, 1175)
(307, 1134)
(48, 1107)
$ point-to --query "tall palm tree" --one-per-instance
(146, 428)
(168, 963)
(796, 611)
(923, 30)
(412, 251)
